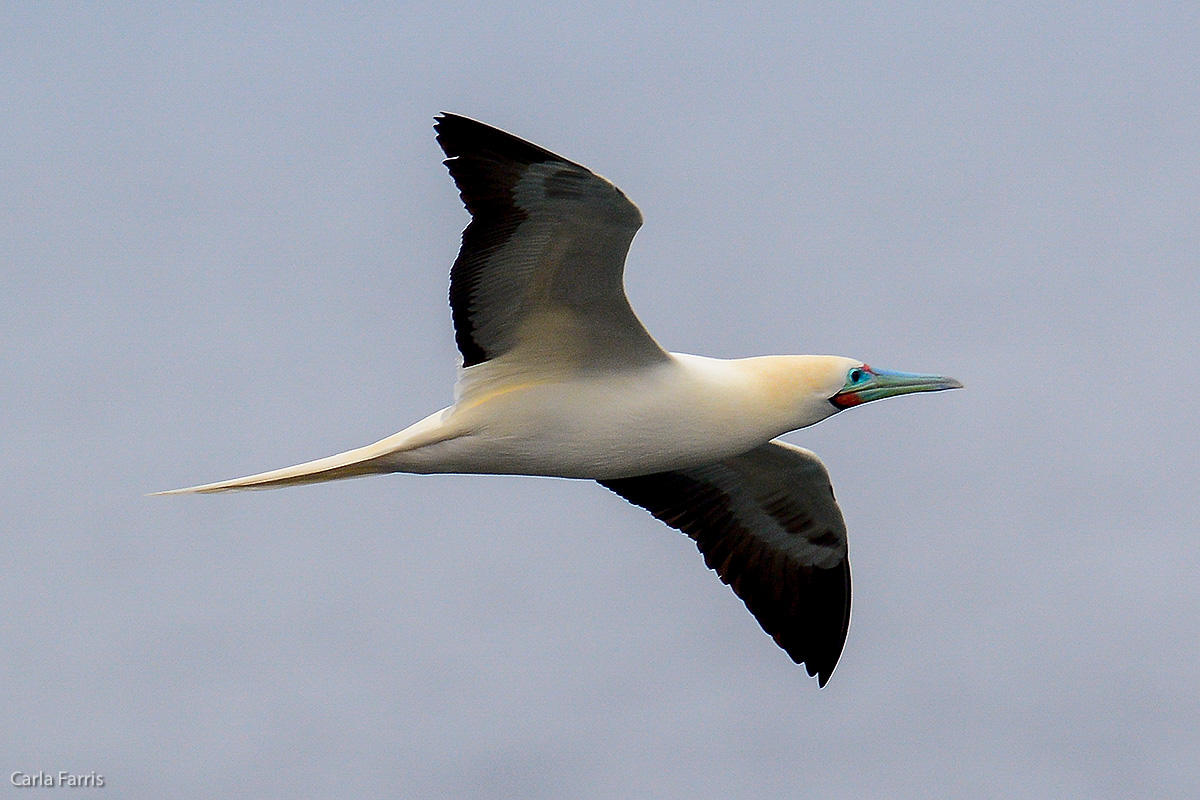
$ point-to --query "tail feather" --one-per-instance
(350, 464)
(372, 459)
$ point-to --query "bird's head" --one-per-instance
(857, 383)
(808, 389)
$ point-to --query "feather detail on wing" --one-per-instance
(539, 277)
(767, 522)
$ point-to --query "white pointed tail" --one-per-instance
(373, 459)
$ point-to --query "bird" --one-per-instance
(558, 377)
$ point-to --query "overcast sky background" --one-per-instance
(224, 243)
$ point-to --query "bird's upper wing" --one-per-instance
(767, 522)
(539, 274)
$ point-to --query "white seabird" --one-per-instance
(559, 378)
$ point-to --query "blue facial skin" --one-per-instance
(864, 384)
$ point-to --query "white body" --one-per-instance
(546, 418)
(685, 412)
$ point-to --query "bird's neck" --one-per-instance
(792, 390)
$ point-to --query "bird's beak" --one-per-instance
(889, 384)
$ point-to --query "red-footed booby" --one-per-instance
(560, 378)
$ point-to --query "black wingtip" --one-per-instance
(462, 136)
(821, 668)
(823, 675)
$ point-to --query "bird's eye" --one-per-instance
(857, 375)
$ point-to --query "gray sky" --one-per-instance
(224, 243)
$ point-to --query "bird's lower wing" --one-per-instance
(767, 522)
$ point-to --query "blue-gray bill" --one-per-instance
(865, 384)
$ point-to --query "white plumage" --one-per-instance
(560, 378)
